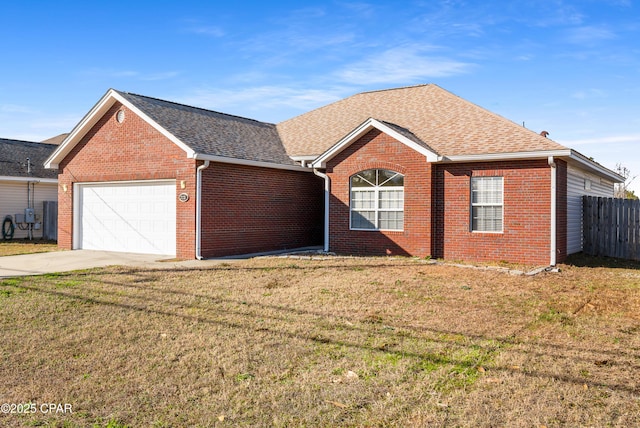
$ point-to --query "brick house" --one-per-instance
(139, 174)
(407, 171)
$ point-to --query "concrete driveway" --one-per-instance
(64, 261)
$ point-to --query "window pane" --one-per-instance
(486, 201)
(391, 199)
(362, 199)
(391, 220)
(487, 219)
(486, 190)
(388, 178)
(364, 179)
(363, 219)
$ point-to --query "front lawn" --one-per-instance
(25, 246)
(331, 342)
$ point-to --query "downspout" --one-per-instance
(327, 189)
(202, 167)
(554, 244)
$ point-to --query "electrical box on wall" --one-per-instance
(19, 218)
(29, 215)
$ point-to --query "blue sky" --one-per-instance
(571, 68)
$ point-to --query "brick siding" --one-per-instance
(248, 210)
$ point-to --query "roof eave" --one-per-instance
(247, 162)
(568, 154)
(28, 179)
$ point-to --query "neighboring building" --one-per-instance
(408, 171)
(57, 140)
(24, 183)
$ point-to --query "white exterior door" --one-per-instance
(132, 217)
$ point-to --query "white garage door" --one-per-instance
(133, 217)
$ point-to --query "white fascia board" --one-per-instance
(245, 162)
(596, 167)
(93, 116)
(491, 157)
(305, 158)
(366, 126)
(568, 154)
(29, 179)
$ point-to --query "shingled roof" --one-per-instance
(446, 123)
(14, 155)
(212, 133)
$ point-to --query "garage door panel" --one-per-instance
(137, 217)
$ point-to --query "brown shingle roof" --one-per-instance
(443, 121)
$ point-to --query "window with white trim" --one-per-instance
(487, 204)
(377, 200)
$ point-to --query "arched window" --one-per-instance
(377, 200)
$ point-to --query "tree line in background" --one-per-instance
(622, 190)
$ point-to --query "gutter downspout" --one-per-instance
(199, 170)
(327, 190)
(554, 244)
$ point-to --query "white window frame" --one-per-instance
(375, 189)
(486, 204)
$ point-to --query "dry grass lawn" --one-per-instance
(24, 246)
(333, 342)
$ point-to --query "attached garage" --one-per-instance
(133, 217)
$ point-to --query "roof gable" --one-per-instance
(402, 135)
(14, 155)
(199, 132)
(449, 124)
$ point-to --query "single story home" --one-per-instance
(25, 183)
(409, 171)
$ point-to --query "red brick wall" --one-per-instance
(248, 209)
(378, 150)
(527, 213)
(132, 150)
(443, 230)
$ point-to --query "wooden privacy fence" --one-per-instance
(611, 227)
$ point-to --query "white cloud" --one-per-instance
(14, 108)
(612, 139)
(107, 73)
(589, 93)
(589, 35)
(208, 31)
(401, 65)
(160, 76)
(267, 101)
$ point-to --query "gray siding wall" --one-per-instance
(13, 200)
(580, 183)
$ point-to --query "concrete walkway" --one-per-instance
(64, 261)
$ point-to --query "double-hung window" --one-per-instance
(487, 204)
(377, 200)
